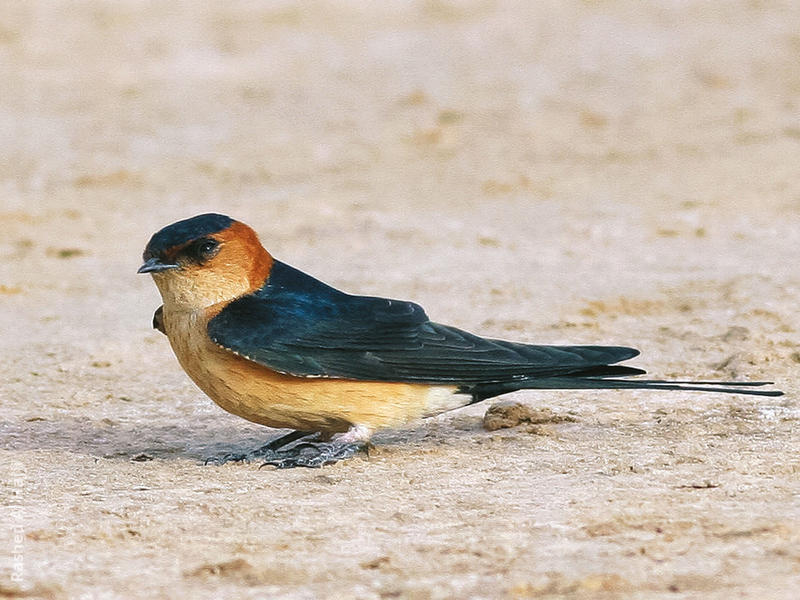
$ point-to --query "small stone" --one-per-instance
(141, 457)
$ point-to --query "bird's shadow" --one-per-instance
(194, 442)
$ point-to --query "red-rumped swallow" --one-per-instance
(278, 347)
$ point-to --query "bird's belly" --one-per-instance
(258, 394)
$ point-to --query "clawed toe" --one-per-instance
(226, 458)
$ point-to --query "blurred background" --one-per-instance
(549, 126)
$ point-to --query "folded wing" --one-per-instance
(300, 326)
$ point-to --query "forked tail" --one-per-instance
(603, 378)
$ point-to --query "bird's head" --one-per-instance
(204, 260)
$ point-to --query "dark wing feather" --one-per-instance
(298, 325)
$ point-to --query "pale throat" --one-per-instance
(200, 290)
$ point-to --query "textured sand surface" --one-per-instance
(558, 172)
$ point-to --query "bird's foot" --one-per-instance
(267, 452)
(315, 455)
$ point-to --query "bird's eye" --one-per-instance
(205, 249)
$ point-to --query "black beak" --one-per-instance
(154, 265)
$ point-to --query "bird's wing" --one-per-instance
(302, 327)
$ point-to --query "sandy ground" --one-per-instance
(585, 172)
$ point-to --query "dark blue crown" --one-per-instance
(181, 232)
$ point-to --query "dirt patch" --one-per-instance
(510, 413)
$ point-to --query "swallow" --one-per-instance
(278, 347)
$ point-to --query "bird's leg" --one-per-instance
(273, 445)
(267, 451)
(315, 455)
